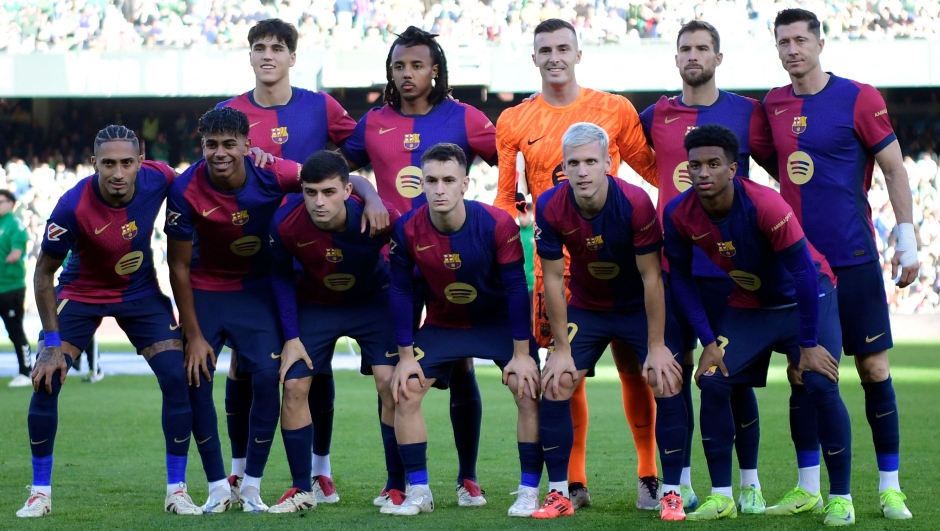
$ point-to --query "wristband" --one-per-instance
(907, 245)
(52, 339)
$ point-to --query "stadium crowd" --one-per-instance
(38, 167)
(120, 25)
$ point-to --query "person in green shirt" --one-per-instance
(13, 240)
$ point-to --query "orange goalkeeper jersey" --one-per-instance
(535, 128)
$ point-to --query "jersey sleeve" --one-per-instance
(339, 123)
(179, 220)
(776, 220)
(872, 123)
(507, 149)
(398, 248)
(761, 140)
(402, 290)
(677, 247)
(547, 242)
(287, 173)
(161, 167)
(481, 134)
(508, 241)
(647, 233)
(632, 144)
(646, 120)
(61, 229)
(282, 282)
(355, 147)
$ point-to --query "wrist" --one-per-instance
(52, 339)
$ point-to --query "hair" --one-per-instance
(324, 165)
(714, 135)
(582, 134)
(116, 133)
(223, 120)
(554, 24)
(791, 16)
(700, 25)
(444, 152)
(9, 195)
(417, 37)
(277, 28)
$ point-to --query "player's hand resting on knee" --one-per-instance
(406, 368)
(51, 359)
(525, 369)
(558, 364)
(662, 371)
(293, 352)
(196, 358)
(710, 360)
(818, 359)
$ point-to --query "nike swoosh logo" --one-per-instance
(425, 248)
(536, 140)
(184, 440)
(800, 505)
(254, 124)
(205, 213)
(205, 441)
(383, 131)
(697, 238)
(390, 355)
(273, 357)
(870, 339)
(570, 232)
(174, 327)
(749, 423)
(669, 121)
(34, 443)
(667, 452)
(306, 243)
(262, 442)
(778, 112)
(830, 452)
(550, 449)
(879, 415)
(99, 231)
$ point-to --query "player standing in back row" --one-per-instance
(534, 128)
(829, 131)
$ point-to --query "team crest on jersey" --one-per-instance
(726, 249)
(334, 255)
(129, 230)
(54, 232)
(412, 141)
(690, 128)
(279, 135)
(595, 243)
(537, 232)
(240, 217)
(799, 124)
(452, 261)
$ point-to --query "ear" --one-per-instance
(718, 58)
(466, 185)
(293, 58)
(347, 190)
(677, 61)
(578, 58)
(94, 163)
(247, 146)
(434, 70)
(610, 163)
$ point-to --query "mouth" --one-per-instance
(118, 185)
(693, 67)
(268, 67)
(704, 185)
(221, 166)
(583, 185)
(555, 70)
(407, 86)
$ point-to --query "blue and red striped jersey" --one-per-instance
(747, 244)
(394, 143)
(229, 230)
(826, 143)
(603, 249)
(297, 129)
(336, 267)
(112, 259)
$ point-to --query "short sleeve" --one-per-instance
(547, 241)
(775, 218)
(761, 141)
(179, 220)
(340, 124)
(872, 123)
(481, 134)
(634, 150)
(508, 241)
(508, 181)
(646, 121)
(61, 229)
(647, 233)
(678, 248)
(287, 173)
(355, 147)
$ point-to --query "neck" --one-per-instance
(231, 183)
(560, 95)
(592, 206)
(811, 83)
(706, 94)
(419, 106)
(271, 95)
(337, 224)
(718, 207)
(450, 221)
(116, 201)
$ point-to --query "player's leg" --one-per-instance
(395, 483)
(297, 433)
(11, 310)
(238, 400)
(746, 445)
(77, 322)
(466, 416)
(640, 408)
(320, 401)
(412, 436)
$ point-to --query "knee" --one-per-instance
(714, 387)
(873, 368)
(264, 381)
(822, 390)
(411, 404)
(566, 387)
(295, 393)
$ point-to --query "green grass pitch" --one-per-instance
(109, 461)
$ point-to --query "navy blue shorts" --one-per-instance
(437, 348)
(367, 322)
(146, 321)
(590, 331)
(248, 320)
(748, 337)
(714, 292)
(863, 309)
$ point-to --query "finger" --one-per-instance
(36, 381)
(307, 360)
(533, 388)
(212, 356)
(204, 366)
(721, 365)
(48, 378)
(395, 389)
(420, 374)
(698, 374)
(505, 378)
(362, 226)
(63, 371)
(282, 373)
(895, 263)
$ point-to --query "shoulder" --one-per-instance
(183, 181)
(560, 190)
(739, 101)
(517, 111)
(156, 167)
(680, 204)
(74, 194)
(762, 196)
(236, 102)
(633, 193)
